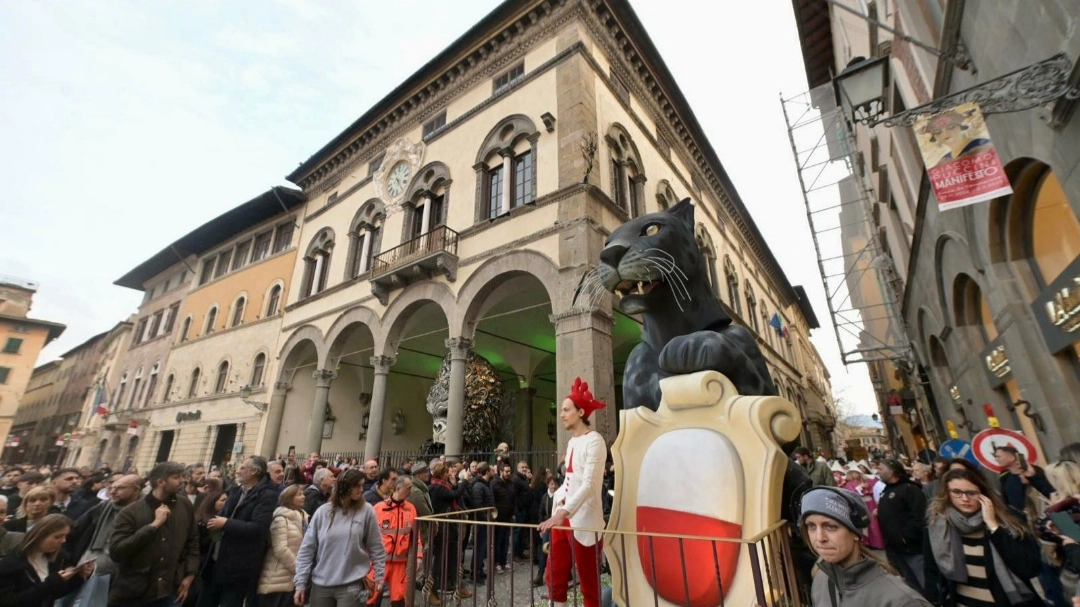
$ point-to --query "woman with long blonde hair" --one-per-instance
(978, 552)
(34, 507)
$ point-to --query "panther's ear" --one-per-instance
(684, 210)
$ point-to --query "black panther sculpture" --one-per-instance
(653, 263)
(655, 266)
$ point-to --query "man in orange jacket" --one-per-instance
(396, 517)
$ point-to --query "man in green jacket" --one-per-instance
(818, 471)
(155, 544)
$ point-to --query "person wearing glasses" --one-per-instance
(978, 552)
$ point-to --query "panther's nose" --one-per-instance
(612, 255)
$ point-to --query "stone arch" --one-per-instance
(306, 333)
(369, 220)
(952, 256)
(928, 326)
(428, 179)
(472, 296)
(410, 298)
(506, 134)
(358, 314)
(1018, 242)
(623, 144)
(665, 195)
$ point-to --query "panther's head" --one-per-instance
(653, 262)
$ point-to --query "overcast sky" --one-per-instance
(127, 124)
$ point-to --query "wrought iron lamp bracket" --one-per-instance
(1035, 85)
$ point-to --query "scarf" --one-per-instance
(99, 542)
(440, 482)
(948, 548)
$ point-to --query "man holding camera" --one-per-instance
(1018, 476)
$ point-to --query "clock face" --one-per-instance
(398, 179)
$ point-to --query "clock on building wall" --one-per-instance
(398, 179)
(400, 163)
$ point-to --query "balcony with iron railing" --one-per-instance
(422, 257)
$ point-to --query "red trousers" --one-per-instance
(394, 580)
(566, 553)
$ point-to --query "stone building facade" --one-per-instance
(459, 214)
(987, 290)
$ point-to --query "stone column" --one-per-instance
(527, 406)
(624, 186)
(583, 349)
(323, 377)
(425, 219)
(365, 251)
(274, 412)
(373, 442)
(507, 193)
(455, 409)
(316, 283)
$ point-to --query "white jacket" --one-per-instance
(286, 534)
(580, 493)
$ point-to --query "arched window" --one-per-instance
(211, 319)
(506, 167)
(708, 251)
(222, 380)
(732, 278)
(136, 386)
(165, 396)
(365, 237)
(627, 171)
(119, 402)
(665, 195)
(185, 329)
(193, 388)
(751, 308)
(258, 368)
(317, 263)
(426, 204)
(151, 385)
(238, 311)
(273, 301)
(766, 333)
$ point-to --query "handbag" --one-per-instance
(93, 593)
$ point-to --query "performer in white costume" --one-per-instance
(579, 500)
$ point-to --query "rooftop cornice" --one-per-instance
(479, 55)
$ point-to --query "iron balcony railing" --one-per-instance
(439, 240)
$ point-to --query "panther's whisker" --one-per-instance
(671, 285)
(671, 260)
(667, 271)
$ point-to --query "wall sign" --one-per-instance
(1057, 309)
(995, 361)
(189, 416)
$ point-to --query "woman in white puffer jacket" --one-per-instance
(286, 533)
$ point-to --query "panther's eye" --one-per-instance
(652, 229)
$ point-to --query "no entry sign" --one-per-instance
(986, 441)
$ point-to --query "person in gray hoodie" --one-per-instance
(341, 545)
(832, 521)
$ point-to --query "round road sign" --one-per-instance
(986, 441)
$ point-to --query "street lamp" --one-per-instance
(245, 394)
(861, 88)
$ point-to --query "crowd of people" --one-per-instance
(184, 535)
(951, 531)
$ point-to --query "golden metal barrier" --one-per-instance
(772, 565)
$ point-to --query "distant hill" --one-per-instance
(861, 421)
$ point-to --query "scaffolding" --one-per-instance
(860, 280)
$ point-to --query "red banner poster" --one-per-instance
(960, 157)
